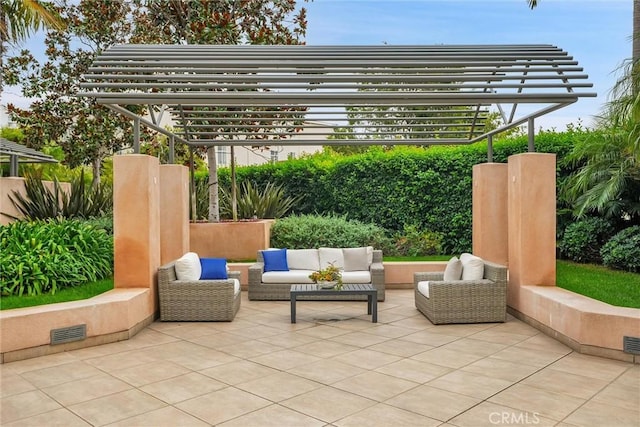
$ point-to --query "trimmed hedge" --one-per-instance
(406, 186)
(314, 231)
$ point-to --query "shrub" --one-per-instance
(271, 202)
(414, 242)
(622, 251)
(44, 256)
(313, 231)
(583, 239)
(81, 201)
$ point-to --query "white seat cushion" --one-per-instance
(236, 286)
(453, 271)
(188, 267)
(303, 259)
(356, 277)
(472, 267)
(423, 288)
(291, 276)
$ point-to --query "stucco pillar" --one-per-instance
(136, 220)
(532, 221)
(490, 229)
(174, 212)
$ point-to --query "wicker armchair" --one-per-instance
(464, 301)
(198, 300)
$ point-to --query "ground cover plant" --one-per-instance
(86, 291)
(45, 256)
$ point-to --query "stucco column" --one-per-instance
(490, 229)
(174, 212)
(136, 220)
(532, 221)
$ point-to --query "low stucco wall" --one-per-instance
(231, 240)
(113, 316)
(584, 324)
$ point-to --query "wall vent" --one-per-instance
(631, 345)
(69, 334)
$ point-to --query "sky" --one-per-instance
(597, 33)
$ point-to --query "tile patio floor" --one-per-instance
(333, 368)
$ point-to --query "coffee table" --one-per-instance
(347, 289)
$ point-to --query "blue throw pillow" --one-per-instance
(213, 268)
(275, 260)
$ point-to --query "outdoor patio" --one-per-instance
(333, 367)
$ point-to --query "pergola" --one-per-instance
(16, 153)
(256, 95)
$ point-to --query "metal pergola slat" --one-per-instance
(264, 95)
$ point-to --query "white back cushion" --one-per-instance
(188, 267)
(472, 267)
(331, 256)
(453, 271)
(356, 259)
(303, 259)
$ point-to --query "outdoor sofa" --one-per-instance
(474, 293)
(359, 265)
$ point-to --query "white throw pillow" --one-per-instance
(331, 256)
(355, 259)
(453, 271)
(188, 267)
(303, 259)
(472, 267)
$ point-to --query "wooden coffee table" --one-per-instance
(347, 289)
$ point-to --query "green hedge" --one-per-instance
(407, 186)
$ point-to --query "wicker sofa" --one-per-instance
(197, 300)
(464, 301)
(267, 290)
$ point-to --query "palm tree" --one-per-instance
(608, 178)
(19, 18)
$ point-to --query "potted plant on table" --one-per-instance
(328, 277)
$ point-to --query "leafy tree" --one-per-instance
(219, 22)
(86, 131)
(18, 18)
(608, 178)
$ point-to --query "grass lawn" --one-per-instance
(611, 286)
(69, 294)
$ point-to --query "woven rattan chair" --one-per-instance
(197, 300)
(464, 301)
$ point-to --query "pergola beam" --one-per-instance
(265, 95)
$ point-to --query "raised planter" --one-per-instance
(113, 316)
(232, 240)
